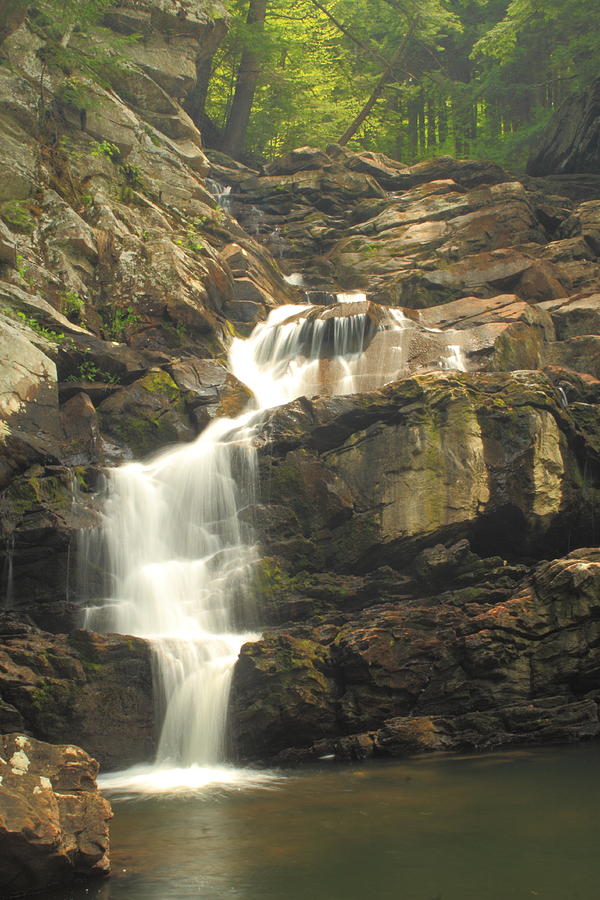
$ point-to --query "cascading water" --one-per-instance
(181, 552)
(221, 193)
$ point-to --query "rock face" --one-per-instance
(497, 459)
(492, 658)
(94, 690)
(53, 821)
(571, 142)
(407, 611)
(406, 531)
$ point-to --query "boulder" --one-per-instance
(445, 455)
(570, 142)
(53, 821)
(144, 417)
(212, 391)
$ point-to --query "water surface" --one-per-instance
(518, 825)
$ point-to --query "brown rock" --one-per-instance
(85, 688)
(53, 821)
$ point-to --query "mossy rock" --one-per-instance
(147, 415)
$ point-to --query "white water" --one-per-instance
(351, 297)
(221, 193)
(295, 278)
(181, 555)
(454, 358)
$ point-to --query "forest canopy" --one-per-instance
(411, 78)
(464, 77)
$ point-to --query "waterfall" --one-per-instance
(221, 193)
(181, 552)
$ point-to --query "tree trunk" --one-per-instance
(377, 91)
(196, 103)
(247, 78)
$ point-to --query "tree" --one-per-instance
(234, 137)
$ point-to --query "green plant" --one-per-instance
(118, 320)
(16, 214)
(73, 305)
(192, 242)
(54, 336)
(126, 194)
(151, 134)
(76, 93)
(23, 269)
(105, 149)
(132, 175)
(89, 371)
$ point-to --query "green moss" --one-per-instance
(271, 583)
(142, 434)
(160, 382)
(50, 694)
(29, 492)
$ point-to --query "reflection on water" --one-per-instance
(496, 827)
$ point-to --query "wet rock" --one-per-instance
(54, 822)
(84, 688)
(494, 457)
(82, 433)
(462, 669)
(41, 514)
(212, 390)
(293, 673)
(145, 416)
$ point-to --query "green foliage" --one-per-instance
(17, 216)
(89, 371)
(477, 78)
(23, 269)
(132, 175)
(72, 305)
(75, 92)
(75, 43)
(117, 321)
(54, 336)
(105, 149)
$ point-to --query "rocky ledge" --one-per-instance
(53, 821)
(390, 666)
(409, 608)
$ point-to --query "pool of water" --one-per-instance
(505, 826)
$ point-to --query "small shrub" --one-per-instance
(105, 149)
(89, 371)
(72, 306)
(17, 216)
